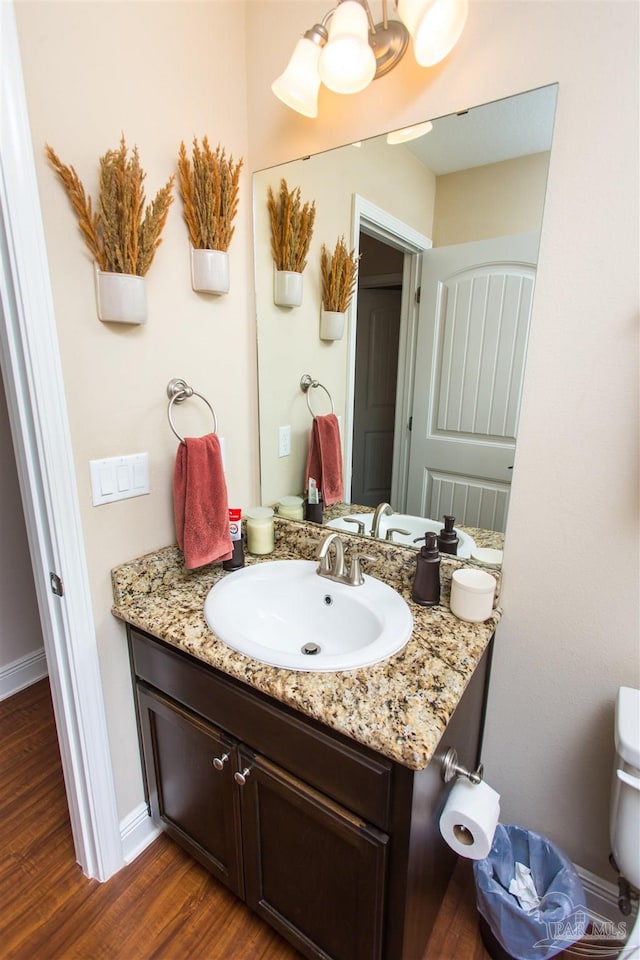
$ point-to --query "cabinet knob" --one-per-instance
(219, 762)
(241, 778)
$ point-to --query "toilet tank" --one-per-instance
(625, 789)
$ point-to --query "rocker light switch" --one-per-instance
(118, 478)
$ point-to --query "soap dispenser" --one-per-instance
(426, 583)
(447, 538)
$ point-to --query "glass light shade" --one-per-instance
(347, 63)
(435, 25)
(298, 86)
(409, 133)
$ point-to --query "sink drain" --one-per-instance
(310, 648)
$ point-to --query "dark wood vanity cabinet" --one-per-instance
(193, 797)
(334, 845)
(313, 870)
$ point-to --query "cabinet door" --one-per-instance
(194, 801)
(313, 870)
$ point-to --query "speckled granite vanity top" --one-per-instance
(399, 707)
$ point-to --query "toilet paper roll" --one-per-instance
(469, 819)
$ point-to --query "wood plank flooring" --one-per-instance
(164, 906)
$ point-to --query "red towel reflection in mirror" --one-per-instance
(324, 460)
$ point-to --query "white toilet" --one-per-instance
(625, 801)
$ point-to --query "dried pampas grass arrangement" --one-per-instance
(209, 185)
(291, 228)
(121, 235)
(339, 276)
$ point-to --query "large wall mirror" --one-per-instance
(426, 380)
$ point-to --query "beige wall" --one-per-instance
(94, 71)
(569, 636)
(288, 338)
(495, 200)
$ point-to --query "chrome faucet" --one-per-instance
(337, 570)
(382, 510)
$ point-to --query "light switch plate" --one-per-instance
(119, 478)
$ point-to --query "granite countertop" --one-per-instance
(399, 707)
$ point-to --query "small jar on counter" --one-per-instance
(260, 537)
(472, 594)
(291, 508)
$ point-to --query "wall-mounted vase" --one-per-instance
(210, 271)
(120, 297)
(331, 324)
(287, 288)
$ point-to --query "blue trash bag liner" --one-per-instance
(560, 918)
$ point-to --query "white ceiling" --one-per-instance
(513, 127)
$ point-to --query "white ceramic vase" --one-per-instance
(120, 297)
(287, 288)
(210, 271)
(331, 324)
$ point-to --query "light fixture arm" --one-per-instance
(318, 33)
(372, 26)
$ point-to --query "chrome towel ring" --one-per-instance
(178, 391)
(307, 382)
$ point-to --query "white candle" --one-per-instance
(291, 508)
(260, 530)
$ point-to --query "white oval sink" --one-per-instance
(417, 527)
(272, 610)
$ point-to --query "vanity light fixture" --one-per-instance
(347, 50)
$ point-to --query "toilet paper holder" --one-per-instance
(451, 768)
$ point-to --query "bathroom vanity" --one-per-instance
(314, 797)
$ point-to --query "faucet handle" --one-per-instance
(390, 532)
(359, 524)
(355, 573)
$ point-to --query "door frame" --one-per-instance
(32, 374)
(378, 223)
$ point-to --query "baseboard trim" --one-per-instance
(602, 896)
(137, 831)
(602, 905)
(22, 673)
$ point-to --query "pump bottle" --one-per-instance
(447, 538)
(426, 583)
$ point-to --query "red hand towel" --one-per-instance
(200, 502)
(324, 460)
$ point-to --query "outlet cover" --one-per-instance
(284, 441)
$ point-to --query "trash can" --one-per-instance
(532, 924)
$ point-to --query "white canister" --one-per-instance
(210, 271)
(291, 508)
(287, 288)
(472, 593)
(260, 539)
